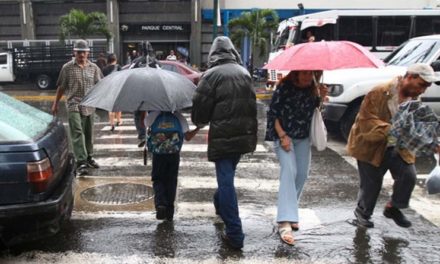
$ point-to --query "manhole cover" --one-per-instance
(118, 193)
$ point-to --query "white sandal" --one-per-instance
(285, 231)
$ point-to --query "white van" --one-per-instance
(380, 31)
(347, 87)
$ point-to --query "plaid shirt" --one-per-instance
(416, 128)
(76, 83)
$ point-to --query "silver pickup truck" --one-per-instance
(347, 87)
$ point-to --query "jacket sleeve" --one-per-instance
(203, 103)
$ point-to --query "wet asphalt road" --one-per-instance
(131, 234)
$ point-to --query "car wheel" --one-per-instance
(348, 120)
(43, 81)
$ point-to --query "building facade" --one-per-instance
(182, 25)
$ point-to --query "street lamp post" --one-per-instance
(214, 19)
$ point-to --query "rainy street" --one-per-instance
(114, 219)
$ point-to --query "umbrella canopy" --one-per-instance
(142, 89)
(324, 55)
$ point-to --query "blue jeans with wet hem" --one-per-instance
(294, 171)
(225, 199)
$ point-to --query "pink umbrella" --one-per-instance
(324, 55)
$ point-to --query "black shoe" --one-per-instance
(230, 243)
(161, 212)
(362, 220)
(117, 123)
(112, 129)
(141, 143)
(82, 169)
(92, 163)
(395, 214)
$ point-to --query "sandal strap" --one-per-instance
(284, 229)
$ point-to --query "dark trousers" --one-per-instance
(164, 173)
(225, 199)
(371, 178)
(139, 124)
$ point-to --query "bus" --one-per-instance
(379, 30)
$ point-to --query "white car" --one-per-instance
(347, 87)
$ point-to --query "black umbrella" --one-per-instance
(141, 89)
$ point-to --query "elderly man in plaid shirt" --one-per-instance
(371, 143)
(76, 78)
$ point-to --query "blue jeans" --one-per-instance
(138, 122)
(295, 167)
(225, 199)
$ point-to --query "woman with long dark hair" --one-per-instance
(288, 126)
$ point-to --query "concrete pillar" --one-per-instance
(113, 24)
(196, 33)
(27, 19)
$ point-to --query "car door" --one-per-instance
(6, 71)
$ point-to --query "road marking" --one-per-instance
(117, 161)
(187, 182)
(36, 98)
(185, 147)
(133, 128)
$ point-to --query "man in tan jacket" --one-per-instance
(369, 142)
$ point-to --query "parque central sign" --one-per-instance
(162, 28)
(155, 28)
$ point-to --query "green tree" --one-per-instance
(81, 24)
(257, 25)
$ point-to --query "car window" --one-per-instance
(20, 121)
(170, 67)
(413, 52)
(186, 70)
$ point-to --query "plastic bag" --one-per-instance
(318, 131)
(433, 180)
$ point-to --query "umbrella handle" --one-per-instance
(145, 156)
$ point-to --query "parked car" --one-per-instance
(36, 173)
(347, 87)
(175, 66)
(192, 74)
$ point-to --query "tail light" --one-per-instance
(39, 174)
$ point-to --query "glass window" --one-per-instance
(414, 51)
(20, 121)
(281, 40)
(169, 67)
(3, 59)
(356, 29)
(393, 30)
(427, 25)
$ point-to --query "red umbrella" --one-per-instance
(324, 55)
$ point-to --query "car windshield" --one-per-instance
(20, 121)
(413, 51)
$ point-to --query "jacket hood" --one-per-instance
(223, 51)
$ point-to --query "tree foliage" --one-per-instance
(81, 24)
(257, 25)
